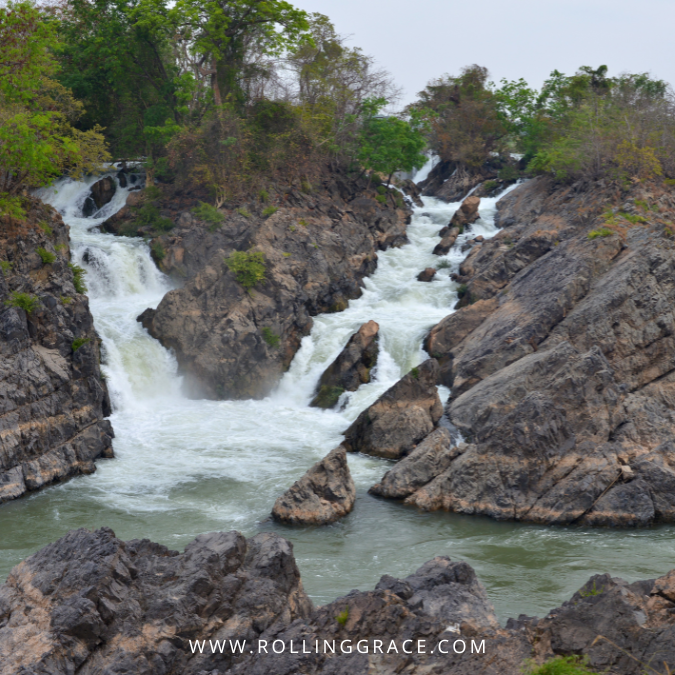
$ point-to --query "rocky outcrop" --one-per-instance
(351, 368)
(451, 183)
(561, 361)
(323, 495)
(427, 274)
(404, 415)
(52, 398)
(465, 215)
(233, 341)
(447, 242)
(90, 603)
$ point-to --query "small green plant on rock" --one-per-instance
(210, 215)
(6, 266)
(158, 252)
(46, 256)
(634, 219)
(11, 206)
(264, 197)
(149, 215)
(327, 396)
(270, 337)
(243, 212)
(382, 199)
(443, 265)
(302, 222)
(248, 267)
(65, 300)
(343, 616)
(270, 210)
(600, 233)
(560, 665)
(25, 301)
(462, 290)
(78, 278)
(79, 342)
(591, 591)
(415, 372)
(306, 186)
(46, 229)
(152, 192)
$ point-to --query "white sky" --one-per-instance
(417, 40)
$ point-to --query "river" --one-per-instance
(184, 467)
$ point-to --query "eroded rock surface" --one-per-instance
(323, 495)
(404, 415)
(52, 398)
(561, 361)
(91, 604)
(351, 368)
(235, 343)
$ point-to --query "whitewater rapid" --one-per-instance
(183, 467)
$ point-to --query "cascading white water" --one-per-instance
(183, 467)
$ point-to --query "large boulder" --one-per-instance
(404, 415)
(465, 215)
(103, 191)
(351, 368)
(448, 240)
(427, 274)
(323, 495)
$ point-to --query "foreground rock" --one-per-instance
(323, 495)
(233, 342)
(90, 603)
(427, 274)
(351, 368)
(561, 361)
(465, 215)
(53, 397)
(447, 242)
(404, 415)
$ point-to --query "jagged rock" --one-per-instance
(404, 415)
(465, 215)
(427, 274)
(53, 399)
(447, 242)
(429, 459)
(351, 368)
(234, 344)
(451, 183)
(103, 191)
(323, 495)
(91, 603)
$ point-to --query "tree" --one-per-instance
(387, 144)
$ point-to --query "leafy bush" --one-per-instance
(634, 219)
(158, 252)
(462, 290)
(415, 372)
(78, 278)
(79, 342)
(11, 206)
(28, 303)
(6, 266)
(270, 337)
(561, 665)
(264, 196)
(46, 229)
(443, 265)
(47, 256)
(248, 267)
(382, 199)
(381, 190)
(210, 215)
(602, 232)
(152, 192)
(243, 212)
(148, 214)
(342, 617)
(270, 210)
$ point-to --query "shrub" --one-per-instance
(306, 186)
(270, 337)
(269, 211)
(602, 232)
(248, 267)
(382, 199)
(243, 212)
(561, 665)
(209, 214)
(79, 342)
(25, 301)
(415, 372)
(634, 219)
(302, 222)
(490, 185)
(264, 197)
(152, 192)
(46, 229)
(78, 278)
(462, 291)
(381, 190)
(149, 215)
(342, 617)
(443, 265)
(158, 252)
(65, 300)
(6, 266)
(11, 206)
(47, 256)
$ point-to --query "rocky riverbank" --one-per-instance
(90, 603)
(54, 399)
(561, 361)
(317, 243)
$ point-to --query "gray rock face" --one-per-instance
(52, 398)
(351, 368)
(91, 604)
(561, 363)
(103, 191)
(234, 344)
(323, 495)
(404, 415)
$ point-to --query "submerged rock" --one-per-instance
(404, 415)
(351, 368)
(323, 495)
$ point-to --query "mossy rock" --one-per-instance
(327, 397)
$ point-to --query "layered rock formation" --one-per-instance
(562, 361)
(235, 342)
(53, 399)
(404, 415)
(351, 368)
(90, 603)
(323, 495)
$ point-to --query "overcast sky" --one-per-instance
(417, 40)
